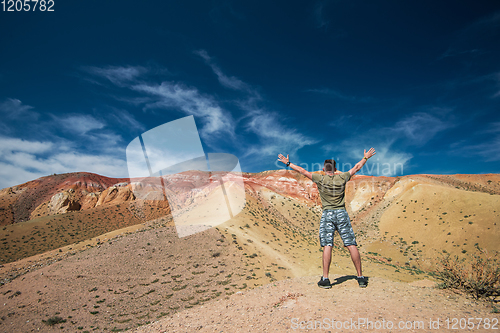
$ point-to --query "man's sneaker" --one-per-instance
(362, 281)
(324, 283)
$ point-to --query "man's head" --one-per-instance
(329, 165)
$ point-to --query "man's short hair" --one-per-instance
(329, 165)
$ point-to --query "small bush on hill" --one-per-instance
(477, 274)
(54, 321)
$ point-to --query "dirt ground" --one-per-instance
(299, 305)
(254, 273)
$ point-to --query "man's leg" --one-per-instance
(356, 258)
(347, 234)
(327, 259)
(326, 230)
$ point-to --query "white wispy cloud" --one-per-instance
(451, 52)
(11, 175)
(216, 122)
(390, 143)
(15, 109)
(189, 100)
(79, 123)
(342, 121)
(118, 75)
(496, 78)
(488, 148)
(26, 146)
(107, 142)
(274, 137)
(319, 16)
(23, 160)
(493, 128)
(388, 161)
(490, 22)
(230, 82)
(419, 128)
(102, 164)
(489, 151)
(86, 145)
(126, 119)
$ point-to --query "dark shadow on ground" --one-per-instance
(345, 278)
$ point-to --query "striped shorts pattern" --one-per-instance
(336, 219)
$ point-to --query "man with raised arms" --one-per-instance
(331, 188)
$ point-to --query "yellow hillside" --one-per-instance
(425, 220)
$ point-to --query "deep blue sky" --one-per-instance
(417, 80)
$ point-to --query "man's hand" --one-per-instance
(359, 165)
(370, 153)
(283, 159)
(294, 167)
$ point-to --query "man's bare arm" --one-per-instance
(360, 164)
(303, 171)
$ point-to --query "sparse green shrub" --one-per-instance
(179, 288)
(150, 291)
(477, 274)
(54, 321)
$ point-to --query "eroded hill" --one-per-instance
(82, 264)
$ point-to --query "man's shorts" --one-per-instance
(336, 219)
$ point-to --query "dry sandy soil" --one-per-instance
(132, 280)
(299, 305)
